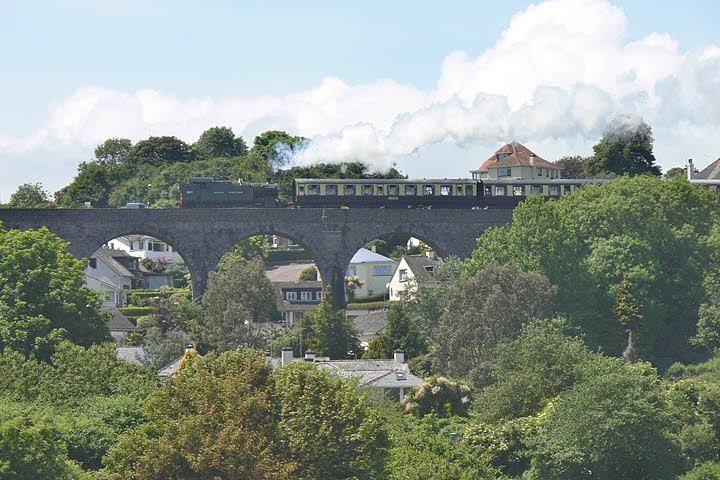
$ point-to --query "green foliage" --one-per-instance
(367, 306)
(138, 297)
(327, 330)
(440, 396)
(696, 407)
(675, 171)
(286, 255)
(308, 274)
(624, 150)
(530, 371)
(246, 249)
(180, 273)
(113, 151)
(90, 185)
(610, 424)
(400, 332)
(30, 195)
(157, 151)
(239, 298)
(484, 311)
(42, 299)
(219, 142)
(352, 284)
(706, 471)
(136, 311)
(571, 167)
(329, 429)
(378, 297)
(654, 234)
(504, 445)
(275, 147)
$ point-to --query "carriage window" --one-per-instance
(536, 190)
(428, 190)
(445, 190)
(393, 190)
(459, 190)
(518, 190)
(539, 172)
(468, 190)
(313, 189)
(488, 190)
(500, 190)
(380, 190)
(410, 189)
(504, 172)
(368, 190)
(554, 190)
(349, 190)
(331, 189)
(301, 190)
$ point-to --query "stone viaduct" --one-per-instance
(203, 235)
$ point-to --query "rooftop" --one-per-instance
(365, 256)
(515, 154)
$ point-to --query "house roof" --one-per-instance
(518, 155)
(118, 322)
(370, 325)
(130, 354)
(711, 172)
(418, 264)
(365, 256)
(108, 255)
(295, 305)
(378, 373)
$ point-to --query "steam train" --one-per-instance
(376, 193)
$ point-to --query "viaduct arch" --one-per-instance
(203, 235)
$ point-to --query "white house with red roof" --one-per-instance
(515, 161)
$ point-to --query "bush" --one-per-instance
(308, 274)
(137, 296)
(136, 311)
(366, 306)
(286, 255)
(378, 297)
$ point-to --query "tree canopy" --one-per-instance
(30, 195)
(327, 330)
(218, 142)
(625, 149)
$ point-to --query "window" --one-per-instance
(290, 295)
(351, 271)
(368, 190)
(380, 190)
(410, 189)
(349, 190)
(518, 190)
(488, 190)
(301, 190)
(428, 190)
(318, 295)
(536, 190)
(476, 175)
(313, 189)
(400, 376)
(331, 189)
(155, 246)
(393, 190)
(284, 318)
(403, 275)
(445, 190)
(468, 190)
(504, 172)
(554, 190)
(305, 295)
(500, 190)
(382, 270)
(539, 172)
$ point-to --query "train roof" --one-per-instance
(383, 181)
(547, 181)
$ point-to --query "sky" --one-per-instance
(431, 87)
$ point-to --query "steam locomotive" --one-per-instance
(376, 193)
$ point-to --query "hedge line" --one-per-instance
(366, 306)
(136, 311)
(137, 295)
(378, 297)
(286, 255)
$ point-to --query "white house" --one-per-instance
(144, 246)
(373, 269)
(113, 273)
(411, 270)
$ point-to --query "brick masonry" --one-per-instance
(203, 235)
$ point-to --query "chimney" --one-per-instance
(373, 248)
(309, 356)
(430, 254)
(399, 355)
(287, 356)
(690, 168)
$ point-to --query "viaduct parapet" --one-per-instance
(203, 235)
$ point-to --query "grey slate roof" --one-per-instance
(376, 373)
(418, 264)
(108, 255)
(119, 322)
(130, 354)
(711, 172)
(370, 325)
(364, 256)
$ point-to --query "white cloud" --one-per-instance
(554, 79)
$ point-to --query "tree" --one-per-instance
(113, 151)
(308, 274)
(571, 167)
(352, 284)
(626, 148)
(675, 171)
(655, 234)
(400, 332)
(275, 147)
(180, 273)
(610, 424)
(239, 298)
(440, 396)
(29, 195)
(158, 151)
(484, 311)
(327, 330)
(220, 142)
(90, 185)
(42, 300)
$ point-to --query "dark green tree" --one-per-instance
(42, 298)
(571, 166)
(327, 330)
(308, 274)
(30, 195)
(90, 185)
(275, 146)
(440, 396)
(113, 151)
(626, 148)
(157, 151)
(400, 332)
(220, 142)
(675, 171)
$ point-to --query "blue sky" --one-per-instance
(434, 87)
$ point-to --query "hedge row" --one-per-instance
(137, 295)
(136, 311)
(378, 297)
(286, 255)
(366, 306)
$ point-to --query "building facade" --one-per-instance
(373, 269)
(515, 161)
